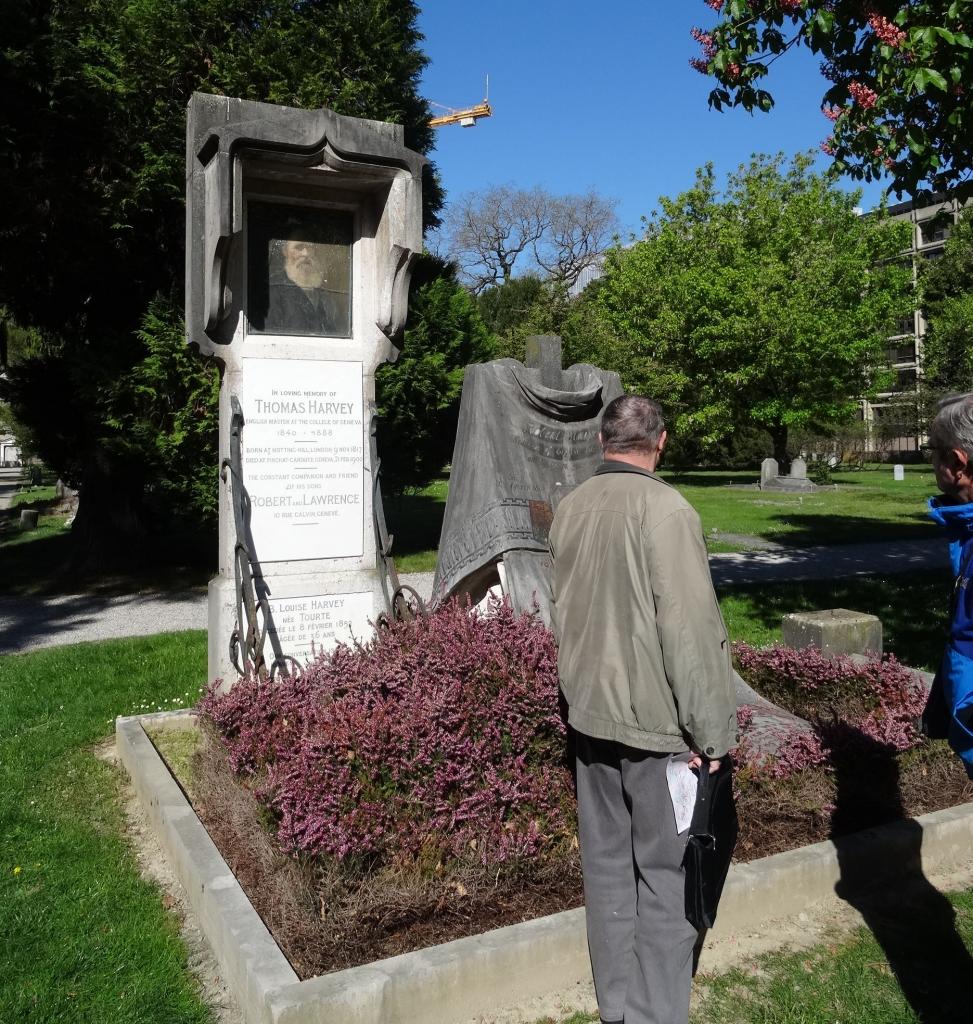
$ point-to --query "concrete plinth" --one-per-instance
(834, 631)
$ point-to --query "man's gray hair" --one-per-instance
(631, 423)
(952, 426)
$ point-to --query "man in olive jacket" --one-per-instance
(644, 663)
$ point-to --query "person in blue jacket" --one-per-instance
(949, 710)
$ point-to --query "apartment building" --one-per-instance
(892, 415)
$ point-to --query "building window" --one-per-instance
(934, 230)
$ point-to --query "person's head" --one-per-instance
(633, 430)
(302, 260)
(951, 441)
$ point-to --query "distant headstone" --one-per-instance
(28, 518)
(898, 472)
(834, 631)
(796, 480)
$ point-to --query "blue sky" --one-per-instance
(600, 95)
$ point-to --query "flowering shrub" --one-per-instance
(439, 738)
(847, 703)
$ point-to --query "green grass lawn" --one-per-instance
(32, 495)
(866, 505)
(84, 938)
(899, 971)
(911, 606)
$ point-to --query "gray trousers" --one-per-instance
(640, 942)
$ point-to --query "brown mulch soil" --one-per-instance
(326, 922)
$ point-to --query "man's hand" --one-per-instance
(697, 762)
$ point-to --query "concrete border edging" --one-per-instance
(482, 974)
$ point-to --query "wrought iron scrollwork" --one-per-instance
(402, 602)
(254, 619)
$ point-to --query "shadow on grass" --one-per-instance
(39, 563)
(912, 921)
(415, 522)
(803, 530)
(711, 478)
(912, 607)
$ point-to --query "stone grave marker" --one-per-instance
(302, 228)
(798, 469)
(769, 470)
(834, 631)
(898, 472)
(527, 434)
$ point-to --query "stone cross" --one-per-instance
(544, 354)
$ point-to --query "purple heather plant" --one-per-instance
(848, 704)
(439, 738)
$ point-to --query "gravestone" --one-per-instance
(527, 435)
(795, 480)
(834, 631)
(769, 470)
(302, 226)
(898, 472)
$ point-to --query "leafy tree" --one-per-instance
(418, 395)
(92, 126)
(768, 305)
(899, 73)
(947, 300)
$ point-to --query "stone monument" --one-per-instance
(796, 480)
(527, 435)
(302, 226)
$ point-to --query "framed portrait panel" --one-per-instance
(299, 270)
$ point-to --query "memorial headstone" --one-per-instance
(302, 228)
(769, 470)
(898, 472)
(527, 434)
(798, 469)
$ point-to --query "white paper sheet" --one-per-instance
(682, 790)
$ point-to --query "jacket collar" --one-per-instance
(957, 519)
(615, 466)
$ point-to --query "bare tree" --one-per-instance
(489, 231)
(561, 236)
(579, 230)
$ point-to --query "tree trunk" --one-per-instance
(108, 532)
(778, 434)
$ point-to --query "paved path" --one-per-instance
(30, 623)
(9, 485)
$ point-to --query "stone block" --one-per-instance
(834, 631)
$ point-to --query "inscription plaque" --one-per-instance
(303, 457)
(306, 626)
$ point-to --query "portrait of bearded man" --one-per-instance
(308, 274)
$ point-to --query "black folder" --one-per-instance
(712, 838)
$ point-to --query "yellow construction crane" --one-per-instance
(465, 118)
